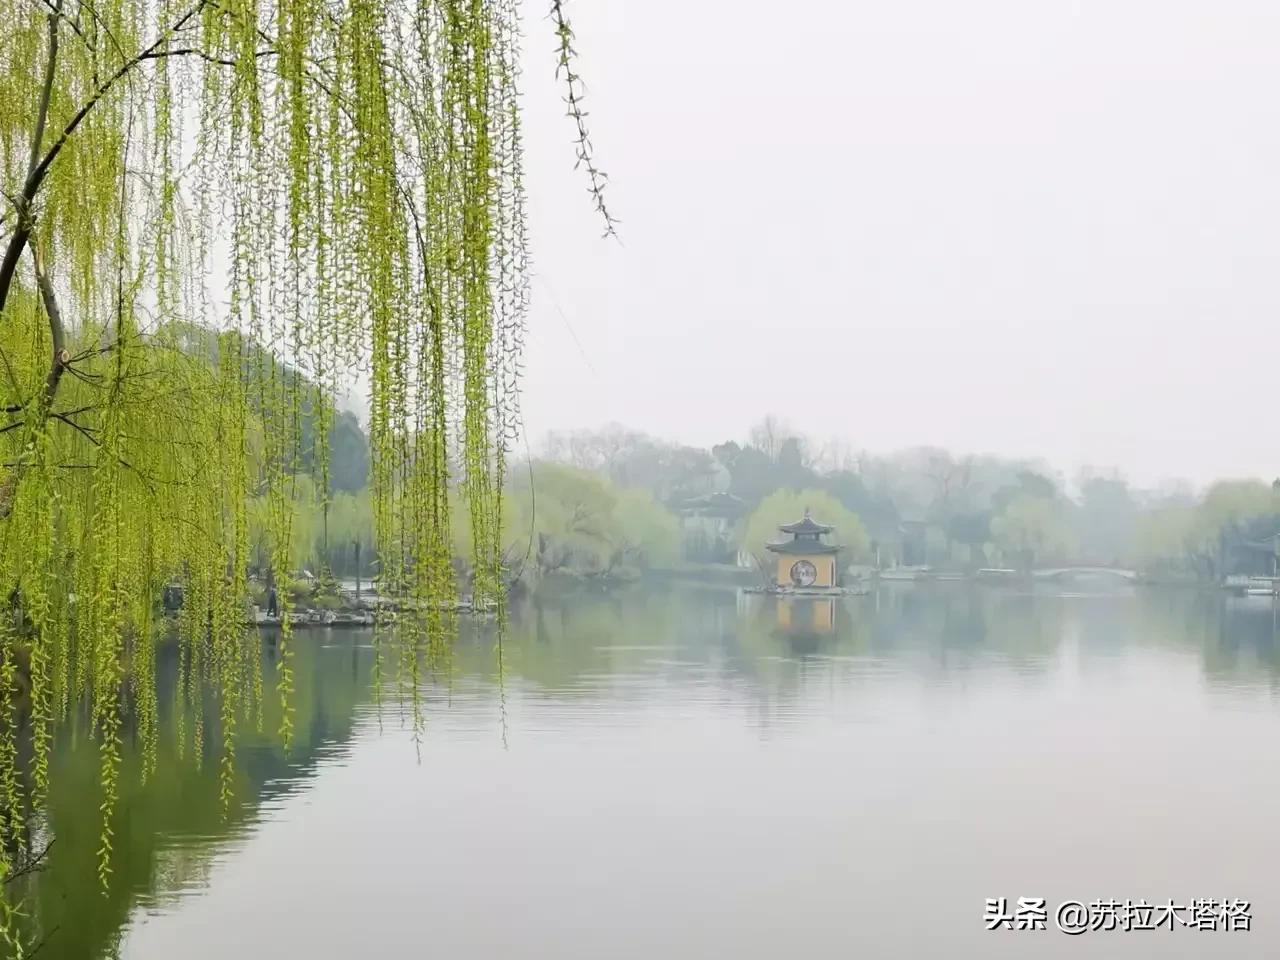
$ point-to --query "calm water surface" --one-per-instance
(688, 774)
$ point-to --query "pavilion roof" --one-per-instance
(807, 525)
(802, 547)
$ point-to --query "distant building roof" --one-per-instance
(712, 505)
(806, 526)
(1270, 545)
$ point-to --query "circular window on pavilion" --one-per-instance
(803, 573)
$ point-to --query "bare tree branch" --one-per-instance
(46, 92)
(55, 10)
(57, 331)
(43, 942)
(32, 865)
(38, 170)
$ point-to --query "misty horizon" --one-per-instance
(1035, 230)
(838, 453)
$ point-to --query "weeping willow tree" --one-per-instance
(333, 188)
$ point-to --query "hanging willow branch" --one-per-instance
(235, 210)
(575, 92)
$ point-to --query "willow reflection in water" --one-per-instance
(171, 823)
(697, 773)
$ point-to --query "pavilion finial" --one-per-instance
(806, 513)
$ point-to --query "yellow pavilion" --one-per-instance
(805, 562)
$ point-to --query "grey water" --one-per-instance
(687, 773)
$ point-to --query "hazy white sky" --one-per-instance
(1030, 227)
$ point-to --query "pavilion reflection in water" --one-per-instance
(815, 615)
(805, 623)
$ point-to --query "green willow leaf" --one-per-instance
(219, 216)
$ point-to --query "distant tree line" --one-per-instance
(614, 502)
(928, 506)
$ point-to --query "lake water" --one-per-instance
(699, 773)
